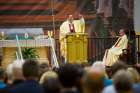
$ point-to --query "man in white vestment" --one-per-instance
(70, 26)
(112, 54)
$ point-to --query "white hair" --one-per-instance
(18, 63)
(14, 70)
(9, 71)
(46, 75)
(99, 64)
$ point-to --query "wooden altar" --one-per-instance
(9, 48)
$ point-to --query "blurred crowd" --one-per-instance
(32, 76)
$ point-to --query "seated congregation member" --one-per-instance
(50, 82)
(99, 65)
(123, 82)
(30, 71)
(114, 69)
(93, 80)
(14, 75)
(69, 75)
(112, 54)
(16, 72)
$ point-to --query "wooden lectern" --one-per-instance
(75, 45)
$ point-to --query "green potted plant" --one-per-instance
(29, 53)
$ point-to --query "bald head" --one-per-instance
(93, 81)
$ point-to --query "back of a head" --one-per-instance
(123, 82)
(68, 75)
(134, 73)
(99, 64)
(14, 71)
(46, 75)
(118, 66)
(52, 85)
(17, 69)
(93, 81)
(30, 69)
(50, 82)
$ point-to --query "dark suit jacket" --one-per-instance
(29, 86)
